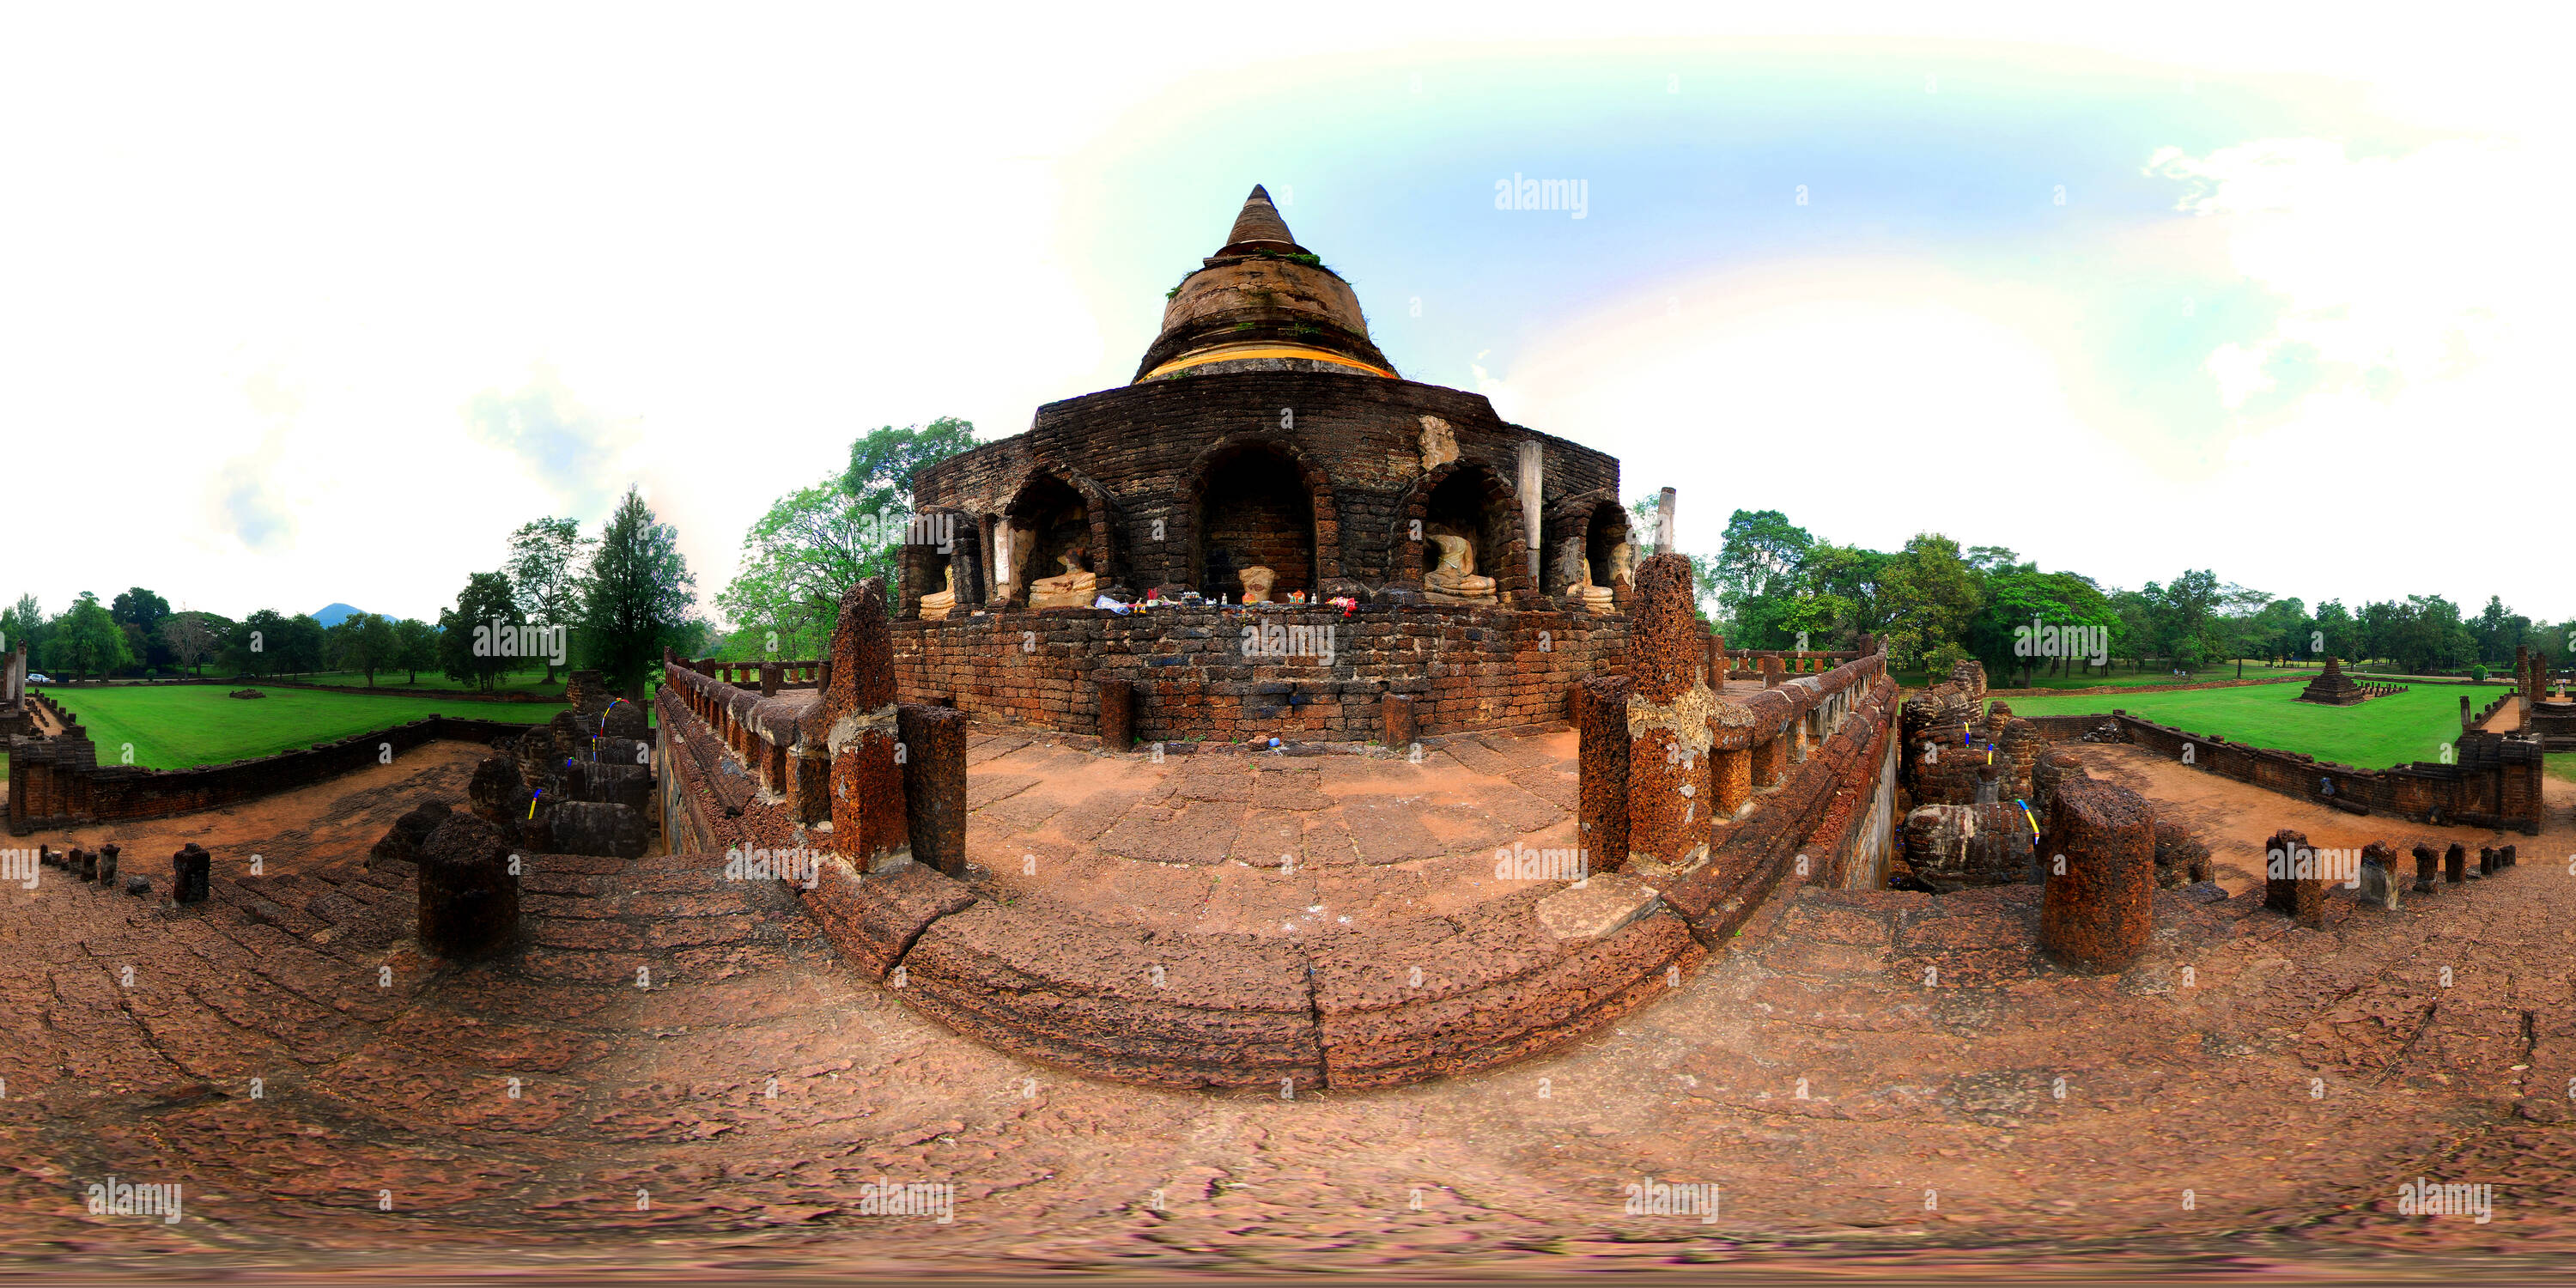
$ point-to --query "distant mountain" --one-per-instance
(331, 616)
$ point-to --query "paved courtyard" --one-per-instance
(698, 1083)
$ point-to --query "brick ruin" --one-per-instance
(2495, 782)
(2333, 688)
(1265, 451)
(2548, 714)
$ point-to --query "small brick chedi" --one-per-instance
(1368, 537)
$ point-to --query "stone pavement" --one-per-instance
(701, 1084)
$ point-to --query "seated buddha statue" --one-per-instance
(1595, 599)
(1257, 582)
(943, 601)
(1455, 581)
(1623, 568)
(1075, 587)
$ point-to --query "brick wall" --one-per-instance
(1466, 669)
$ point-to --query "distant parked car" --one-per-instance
(39, 677)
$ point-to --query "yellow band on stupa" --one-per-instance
(1239, 352)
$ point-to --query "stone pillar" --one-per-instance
(85, 864)
(2464, 711)
(107, 863)
(2291, 885)
(2486, 861)
(2522, 675)
(1533, 481)
(1771, 672)
(1601, 722)
(1665, 502)
(469, 898)
(2378, 878)
(191, 874)
(2097, 910)
(1117, 715)
(934, 784)
(769, 676)
(2455, 862)
(2504, 857)
(869, 819)
(2428, 866)
(1668, 712)
(1731, 775)
(1395, 719)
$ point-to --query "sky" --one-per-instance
(314, 304)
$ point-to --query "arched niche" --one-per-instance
(1255, 499)
(1053, 515)
(1474, 501)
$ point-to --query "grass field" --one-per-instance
(177, 726)
(520, 681)
(2392, 730)
(2120, 676)
(2561, 765)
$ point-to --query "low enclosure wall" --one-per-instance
(57, 782)
(1222, 675)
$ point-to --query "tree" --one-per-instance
(193, 637)
(1930, 598)
(883, 460)
(364, 642)
(797, 562)
(255, 645)
(636, 597)
(468, 645)
(88, 640)
(545, 572)
(415, 647)
(23, 623)
(2334, 633)
(2019, 603)
(1761, 548)
(300, 652)
(144, 611)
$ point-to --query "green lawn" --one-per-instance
(520, 681)
(2560, 764)
(2379, 733)
(175, 726)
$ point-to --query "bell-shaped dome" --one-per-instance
(1262, 303)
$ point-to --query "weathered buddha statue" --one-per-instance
(1075, 587)
(943, 601)
(1595, 598)
(1257, 582)
(1623, 567)
(1455, 581)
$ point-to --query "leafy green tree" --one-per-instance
(2018, 603)
(364, 642)
(797, 561)
(2334, 633)
(144, 611)
(23, 623)
(469, 649)
(88, 641)
(415, 648)
(882, 461)
(1931, 598)
(636, 598)
(545, 572)
(2138, 620)
(254, 647)
(302, 651)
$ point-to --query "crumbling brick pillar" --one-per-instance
(2428, 865)
(934, 784)
(2486, 861)
(1669, 803)
(469, 897)
(1395, 718)
(2379, 875)
(2504, 857)
(1771, 672)
(769, 676)
(869, 823)
(1601, 721)
(1731, 782)
(2455, 862)
(107, 863)
(2097, 915)
(191, 874)
(2464, 711)
(1117, 715)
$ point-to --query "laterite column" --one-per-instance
(1395, 716)
(2098, 914)
(934, 784)
(469, 898)
(869, 822)
(1601, 720)
(1668, 711)
(1117, 715)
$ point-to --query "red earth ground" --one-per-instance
(2010, 1118)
